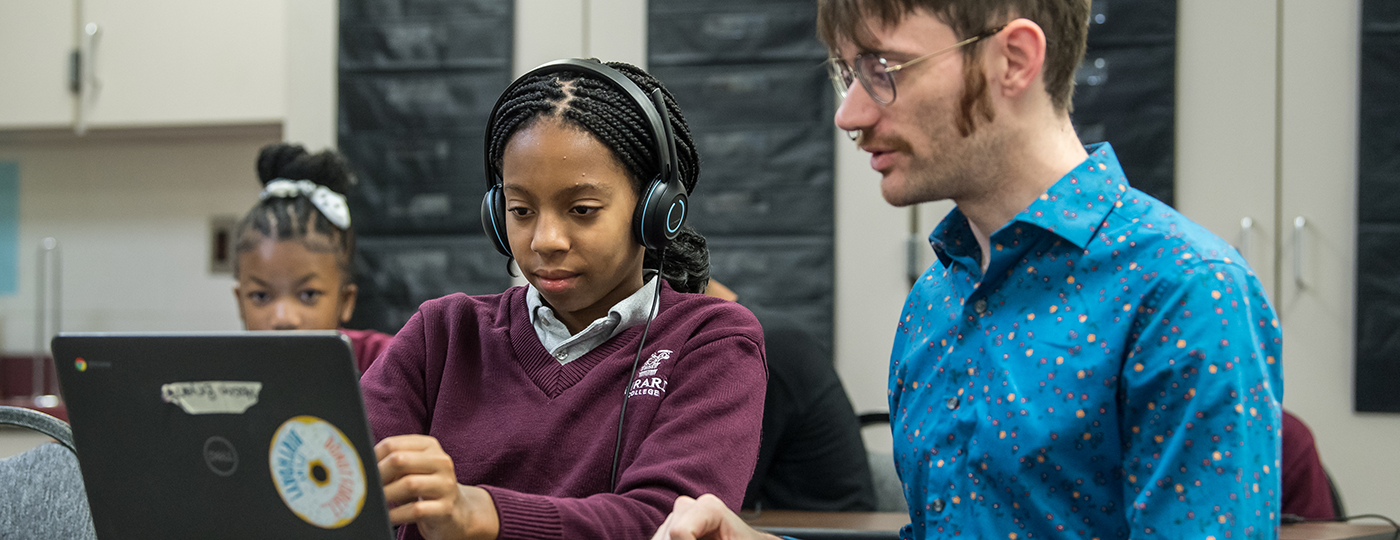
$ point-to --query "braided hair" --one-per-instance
(296, 218)
(611, 116)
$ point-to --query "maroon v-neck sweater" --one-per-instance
(471, 372)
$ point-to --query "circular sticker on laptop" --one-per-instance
(317, 472)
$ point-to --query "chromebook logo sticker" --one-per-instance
(80, 364)
(317, 472)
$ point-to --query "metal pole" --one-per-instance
(46, 316)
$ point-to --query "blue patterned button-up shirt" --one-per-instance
(1115, 373)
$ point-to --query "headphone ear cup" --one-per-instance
(663, 213)
(493, 219)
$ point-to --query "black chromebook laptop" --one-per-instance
(246, 435)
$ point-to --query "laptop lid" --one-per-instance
(246, 435)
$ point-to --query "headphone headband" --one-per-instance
(652, 107)
(661, 206)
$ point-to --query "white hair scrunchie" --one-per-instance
(331, 204)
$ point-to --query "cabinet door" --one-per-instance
(1226, 108)
(37, 37)
(174, 62)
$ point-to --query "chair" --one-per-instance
(44, 496)
(1339, 509)
(889, 490)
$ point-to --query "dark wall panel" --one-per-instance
(1378, 233)
(1380, 17)
(1378, 317)
(389, 10)
(1125, 90)
(417, 81)
(416, 184)
(793, 276)
(698, 33)
(397, 274)
(751, 81)
(415, 102)
(425, 44)
(750, 94)
(1379, 153)
(738, 210)
(779, 155)
(775, 271)
(1132, 23)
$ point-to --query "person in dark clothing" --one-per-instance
(811, 456)
(1306, 491)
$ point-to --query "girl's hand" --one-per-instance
(421, 487)
(706, 518)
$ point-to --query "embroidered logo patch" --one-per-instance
(647, 383)
(649, 368)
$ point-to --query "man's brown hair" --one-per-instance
(1065, 23)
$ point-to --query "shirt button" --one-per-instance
(562, 356)
(937, 505)
(953, 403)
(980, 306)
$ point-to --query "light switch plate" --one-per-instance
(221, 248)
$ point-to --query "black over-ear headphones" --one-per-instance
(662, 209)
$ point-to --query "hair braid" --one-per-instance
(296, 218)
(611, 116)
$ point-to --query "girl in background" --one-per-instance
(295, 249)
(498, 416)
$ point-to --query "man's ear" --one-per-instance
(348, 294)
(1022, 58)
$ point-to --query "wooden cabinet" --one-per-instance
(155, 62)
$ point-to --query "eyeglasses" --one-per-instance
(877, 76)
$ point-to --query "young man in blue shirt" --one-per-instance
(1082, 361)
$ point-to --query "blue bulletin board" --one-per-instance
(9, 228)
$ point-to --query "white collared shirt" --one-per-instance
(565, 348)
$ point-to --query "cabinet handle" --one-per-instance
(1300, 225)
(87, 81)
(1246, 231)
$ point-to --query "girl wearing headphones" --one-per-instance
(571, 408)
(295, 250)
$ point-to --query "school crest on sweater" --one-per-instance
(647, 383)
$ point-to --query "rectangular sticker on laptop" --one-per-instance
(212, 397)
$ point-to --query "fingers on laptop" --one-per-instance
(705, 518)
(414, 468)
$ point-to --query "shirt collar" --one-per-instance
(1073, 208)
(1077, 204)
(629, 312)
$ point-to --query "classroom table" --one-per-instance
(886, 525)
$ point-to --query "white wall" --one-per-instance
(131, 213)
(870, 277)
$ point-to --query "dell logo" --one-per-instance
(220, 456)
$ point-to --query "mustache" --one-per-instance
(889, 144)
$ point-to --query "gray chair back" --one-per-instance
(43, 495)
(889, 491)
